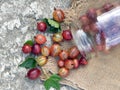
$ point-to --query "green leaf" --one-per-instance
(53, 30)
(29, 63)
(53, 23)
(55, 77)
(29, 42)
(47, 84)
(46, 21)
(55, 85)
(53, 81)
(53, 26)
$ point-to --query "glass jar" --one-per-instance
(106, 33)
(109, 25)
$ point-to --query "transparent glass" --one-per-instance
(108, 27)
(109, 24)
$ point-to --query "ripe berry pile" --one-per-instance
(38, 52)
(68, 59)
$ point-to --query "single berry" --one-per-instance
(63, 55)
(67, 35)
(60, 63)
(55, 50)
(36, 49)
(63, 72)
(76, 63)
(84, 20)
(92, 14)
(26, 49)
(33, 73)
(41, 26)
(73, 52)
(40, 39)
(58, 15)
(83, 61)
(69, 64)
(41, 60)
(57, 37)
(45, 51)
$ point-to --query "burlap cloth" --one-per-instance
(102, 72)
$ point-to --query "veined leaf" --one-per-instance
(55, 77)
(53, 30)
(53, 81)
(53, 23)
(46, 21)
(53, 26)
(29, 42)
(29, 63)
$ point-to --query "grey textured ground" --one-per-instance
(17, 24)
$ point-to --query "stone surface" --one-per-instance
(17, 24)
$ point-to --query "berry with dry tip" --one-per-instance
(58, 15)
(40, 39)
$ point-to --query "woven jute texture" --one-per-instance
(103, 71)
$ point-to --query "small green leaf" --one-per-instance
(29, 42)
(59, 29)
(55, 77)
(46, 21)
(53, 26)
(29, 63)
(47, 84)
(55, 85)
(51, 83)
(53, 30)
(53, 23)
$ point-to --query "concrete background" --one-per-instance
(17, 24)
